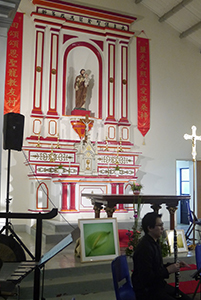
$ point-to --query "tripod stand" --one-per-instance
(7, 227)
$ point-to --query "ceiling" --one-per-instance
(184, 16)
(8, 10)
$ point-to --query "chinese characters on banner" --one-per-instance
(13, 66)
(143, 85)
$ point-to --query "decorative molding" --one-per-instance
(83, 14)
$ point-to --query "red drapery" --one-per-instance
(143, 85)
(14, 66)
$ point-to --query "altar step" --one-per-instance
(54, 231)
(70, 282)
(87, 281)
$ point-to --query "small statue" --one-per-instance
(81, 84)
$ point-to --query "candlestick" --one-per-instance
(58, 146)
(38, 145)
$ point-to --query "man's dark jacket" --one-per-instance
(148, 269)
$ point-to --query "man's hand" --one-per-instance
(183, 264)
(173, 268)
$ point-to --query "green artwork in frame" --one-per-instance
(99, 239)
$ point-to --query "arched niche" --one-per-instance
(77, 56)
(42, 196)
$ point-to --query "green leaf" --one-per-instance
(96, 240)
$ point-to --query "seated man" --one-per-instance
(149, 273)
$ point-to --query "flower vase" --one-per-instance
(60, 171)
(117, 173)
(136, 192)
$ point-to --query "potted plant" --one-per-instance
(134, 235)
(165, 248)
(135, 187)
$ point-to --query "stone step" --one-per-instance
(52, 226)
(71, 281)
(49, 238)
(86, 279)
(54, 231)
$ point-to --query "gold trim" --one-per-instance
(38, 69)
(54, 71)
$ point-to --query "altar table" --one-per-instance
(109, 202)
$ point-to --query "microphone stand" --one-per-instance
(7, 197)
(7, 226)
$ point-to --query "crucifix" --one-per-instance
(194, 138)
(86, 122)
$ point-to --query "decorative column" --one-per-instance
(121, 191)
(36, 113)
(97, 209)
(124, 81)
(156, 207)
(64, 197)
(51, 121)
(111, 80)
(53, 76)
(72, 197)
(38, 72)
(110, 122)
(172, 210)
(114, 188)
(123, 124)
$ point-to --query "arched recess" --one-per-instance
(100, 74)
(42, 196)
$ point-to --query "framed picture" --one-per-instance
(181, 240)
(98, 239)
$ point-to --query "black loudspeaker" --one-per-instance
(13, 131)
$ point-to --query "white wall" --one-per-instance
(175, 67)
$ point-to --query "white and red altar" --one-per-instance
(72, 151)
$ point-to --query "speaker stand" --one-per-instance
(7, 227)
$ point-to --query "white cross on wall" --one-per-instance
(194, 138)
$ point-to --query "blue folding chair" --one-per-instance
(197, 274)
(193, 221)
(121, 279)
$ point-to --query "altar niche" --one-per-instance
(99, 46)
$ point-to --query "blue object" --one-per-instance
(193, 220)
(121, 279)
(198, 256)
(197, 275)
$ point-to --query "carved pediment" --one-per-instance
(86, 156)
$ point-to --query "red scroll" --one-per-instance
(143, 85)
(14, 66)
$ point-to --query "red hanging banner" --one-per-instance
(143, 85)
(14, 66)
